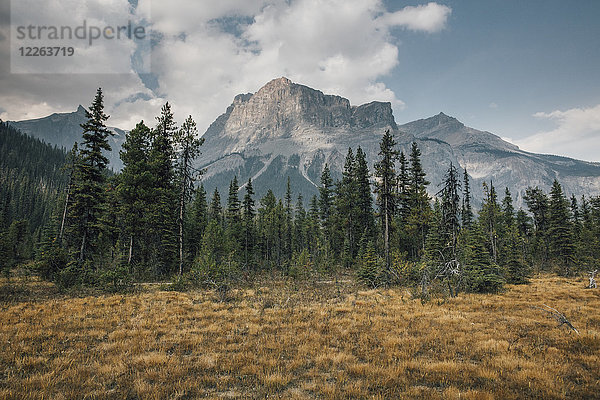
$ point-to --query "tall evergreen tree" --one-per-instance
(326, 196)
(537, 204)
(346, 202)
(385, 171)
(134, 187)
(198, 220)
(164, 195)
(216, 211)
(418, 221)
(364, 200)
(490, 219)
(560, 229)
(89, 179)
(467, 211)
(449, 227)
(248, 214)
(403, 189)
(187, 147)
(508, 210)
(233, 215)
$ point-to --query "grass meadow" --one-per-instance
(285, 339)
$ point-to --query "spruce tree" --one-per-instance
(216, 211)
(537, 204)
(449, 227)
(134, 188)
(364, 200)
(233, 216)
(162, 211)
(418, 221)
(326, 197)
(198, 220)
(89, 180)
(560, 229)
(490, 219)
(248, 214)
(187, 147)
(467, 211)
(346, 202)
(288, 220)
(403, 189)
(385, 171)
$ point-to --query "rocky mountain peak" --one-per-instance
(80, 110)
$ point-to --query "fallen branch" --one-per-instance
(560, 317)
(592, 284)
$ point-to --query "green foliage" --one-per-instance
(301, 265)
(115, 279)
(89, 176)
(481, 274)
(371, 268)
(51, 261)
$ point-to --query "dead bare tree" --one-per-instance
(560, 317)
(592, 277)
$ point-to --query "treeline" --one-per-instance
(154, 220)
(31, 182)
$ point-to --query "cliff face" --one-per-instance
(290, 130)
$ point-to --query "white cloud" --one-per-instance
(577, 134)
(431, 17)
(339, 46)
(207, 54)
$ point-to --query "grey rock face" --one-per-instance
(290, 130)
(286, 129)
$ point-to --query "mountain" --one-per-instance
(63, 130)
(290, 130)
(488, 157)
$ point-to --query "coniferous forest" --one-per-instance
(77, 223)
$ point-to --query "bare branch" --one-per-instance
(560, 317)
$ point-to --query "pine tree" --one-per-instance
(233, 216)
(450, 208)
(385, 189)
(164, 194)
(248, 214)
(326, 197)
(314, 239)
(300, 226)
(403, 189)
(560, 229)
(364, 200)
(481, 274)
(490, 219)
(187, 149)
(216, 211)
(288, 220)
(449, 227)
(418, 221)
(198, 220)
(134, 187)
(467, 211)
(508, 211)
(89, 179)
(346, 202)
(537, 204)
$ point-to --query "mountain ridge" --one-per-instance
(290, 130)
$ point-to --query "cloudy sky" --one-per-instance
(524, 70)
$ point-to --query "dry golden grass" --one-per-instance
(290, 340)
